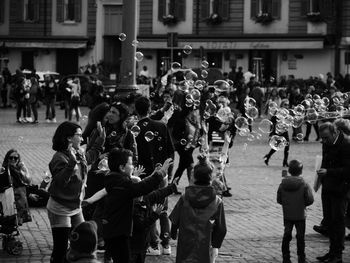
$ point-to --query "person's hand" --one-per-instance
(322, 172)
(227, 136)
(72, 152)
(85, 203)
(101, 130)
(157, 208)
(205, 127)
(166, 165)
(138, 171)
(214, 252)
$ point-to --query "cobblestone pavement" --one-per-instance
(254, 219)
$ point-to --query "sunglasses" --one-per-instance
(15, 158)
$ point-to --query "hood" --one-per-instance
(200, 196)
(292, 183)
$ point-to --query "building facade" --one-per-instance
(54, 35)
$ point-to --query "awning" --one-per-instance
(236, 45)
(46, 44)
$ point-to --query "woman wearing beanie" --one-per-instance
(199, 215)
(83, 243)
(69, 173)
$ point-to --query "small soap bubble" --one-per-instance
(122, 37)
(2, 170)
(175, 66)
(300, 136)
(135, 130)
(156, 133)
(138, 56)
(149, 136)
(252, 112)
(265, 126)
(145, 123)
(204, 74)
(183, 142)
(205, 64)
(277, 142)
(20, 139)
(187, 49)
(135, 43)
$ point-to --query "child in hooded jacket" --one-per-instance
(199, 217)
(294, 194)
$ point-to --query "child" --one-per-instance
(117, 216)
(294, 194)
(83, 243)
(199, 215)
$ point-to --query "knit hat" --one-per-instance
(83, 238)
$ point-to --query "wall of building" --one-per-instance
(45, 62)
(313, 63)
(69, 29)
(4, 27)
(275, 27)
(182, 27)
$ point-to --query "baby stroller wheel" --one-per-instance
(14, 247)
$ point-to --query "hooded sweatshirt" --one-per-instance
(200, 218)
(294, 194)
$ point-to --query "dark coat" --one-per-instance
(199, 215)
(336, 159)
(117, 216)
(144, 217)
(294, 194)
(157, 150)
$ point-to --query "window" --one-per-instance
(27, 10)
(2, 11)
(68, 11)
(176, 8)
(323, 7)
(219, 7)
(271, 7)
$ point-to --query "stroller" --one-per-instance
(9, 219)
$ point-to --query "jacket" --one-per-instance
(294, 194)
(157, 150)
(67, 182)
(336, 159)
(200, 218)
(117, 215)
(144, 217)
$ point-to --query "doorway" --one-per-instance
(268, 63)
(28, 60)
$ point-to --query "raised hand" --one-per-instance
(138, 171)
(101, 130)
(157, 208)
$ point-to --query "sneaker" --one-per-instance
(35, 122)
(226, 194)
(167, 250)
(153, 251)
(54, 120)
(48, 120)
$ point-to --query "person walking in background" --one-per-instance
(19, 94)
(199, 216)
(75, 90)
(294, 194)
(34, 94)
(5, 91)
(69, 174)
(50, 91)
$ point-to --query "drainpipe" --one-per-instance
(197, 17)
(45, 18)
(338, 34)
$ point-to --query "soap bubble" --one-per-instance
(122, 37)
(149, 136)
(277, 142)
(325, 101)
(299, 109)
(196, 95)
(249, 102)
(297, 121)
(2, 170)
(300, 136)
(175, 66)
(190, 75)
(187, 49)
(265, 126)
(241, 123)
(311, 115)
(210, 108)
(273, 111)
(252, 112)
(103, 164)
(135, 43)
(205, 64)
(204, 74)
(183, 142)
(250, 137)
(222, 85)
(138, 56)
(20, 139)
(135, 130)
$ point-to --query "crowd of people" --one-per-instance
(117, 171)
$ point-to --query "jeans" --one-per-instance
(34, 107)
(164, 225)
(120, 248)
(185, 162)
(308, 130)
(287, 237)
(334, 208)
(50, 108)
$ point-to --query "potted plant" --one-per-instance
(263, 18)
(214, 19)
(314, 17)
(169, 20)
